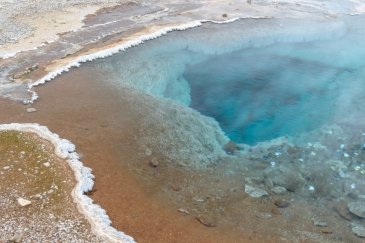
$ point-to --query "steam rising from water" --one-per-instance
(260, 79)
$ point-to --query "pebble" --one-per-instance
(176, 188)
(47, 164)
(264, 215)
(198, 199)
(281, 203)
(183, 211)
(30, 110)
(255, 192)
(205, 221)
(326, 231)
(357, 208)
(148, 152)
(359, 231)
(319, 223)
(279, 190)
(154, 163)
(23, 202)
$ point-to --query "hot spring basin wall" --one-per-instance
(259, 79)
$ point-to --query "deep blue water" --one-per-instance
(257, 96)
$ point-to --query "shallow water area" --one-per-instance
(281, 91)
(167, 109)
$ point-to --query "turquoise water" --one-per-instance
(280, 78)
(257, 96)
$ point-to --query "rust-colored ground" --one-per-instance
(138, 197)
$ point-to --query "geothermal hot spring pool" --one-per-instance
(256, 124)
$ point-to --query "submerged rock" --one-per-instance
(359, 231)
(230, 147)
(357, 208)
(205, 221)
(284, 177)
(281, 203)
(255, 192)
(154, 163)
(279, 190)
(341, 209)
(319, 223)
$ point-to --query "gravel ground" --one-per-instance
(35, 188)
(13, 12)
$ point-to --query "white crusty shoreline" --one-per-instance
(97, 217)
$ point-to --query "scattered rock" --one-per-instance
(281, 203)
(357, 208)
(17, 238)
(264, 215)
(275, 211)
(341, 209)
(230, 147)
(288, 178)
(148, 152)
(255, 192)
(268, 183)
(359, 231)
(205, 221)
(261, 165)
(23, 202)
(154, 163)
(183, 211)
(326, 231)
(89, 193)
(32, 68)
(31, 109)
(176, 188)
(224, 15)
(279, 190)
(198, 199)
(319, 223)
